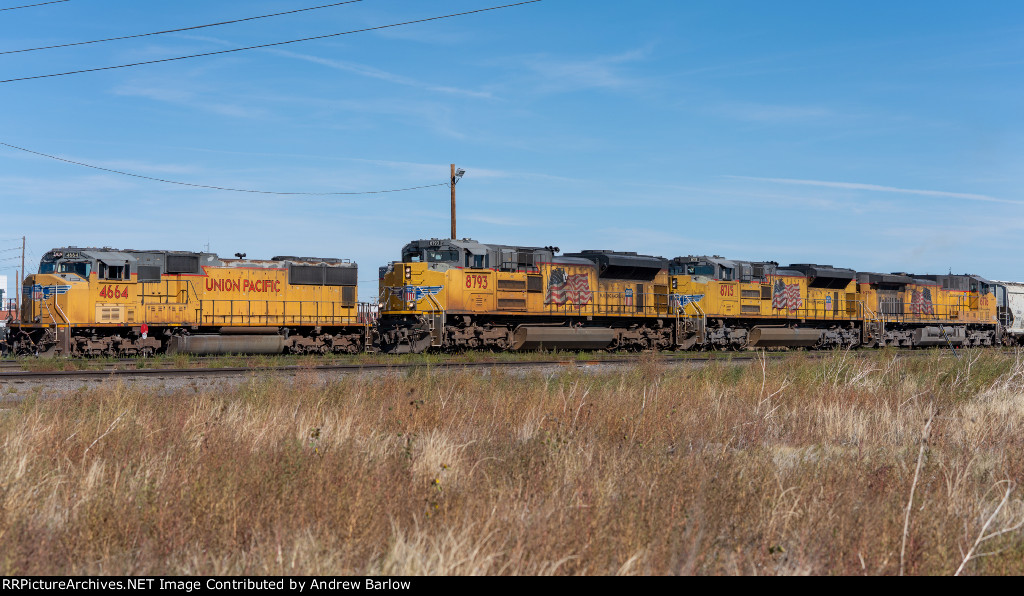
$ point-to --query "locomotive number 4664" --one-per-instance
(114, 292)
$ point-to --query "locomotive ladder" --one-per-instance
(436, 321)
(701, 315)
(64, 339)
(872, 322)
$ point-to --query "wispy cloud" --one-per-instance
(189, 99)
(880, 188)
(375, 73)
(561, 75)
(767, 113)
(43, 189)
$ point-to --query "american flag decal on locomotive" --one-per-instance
(921, 302)
(413, 293)
(786, 296)
(563, 288)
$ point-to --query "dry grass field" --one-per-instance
(793, 466)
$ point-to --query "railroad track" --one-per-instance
(8, 374)
(6, 365)
(233, 371)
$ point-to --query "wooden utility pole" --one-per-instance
(456, 175)
(452, 179)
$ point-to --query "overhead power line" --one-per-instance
(268, 45)
(31, 5)
(262, 192)
(265, 16)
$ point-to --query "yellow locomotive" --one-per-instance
(909, 310)
(736, 304)
(460, 294)
(90, 301)
(733, 304)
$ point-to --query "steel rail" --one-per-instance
(232, 371)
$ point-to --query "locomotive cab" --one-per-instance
(419, 282)
(732, 284)
(50, 296)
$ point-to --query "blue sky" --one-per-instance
(878, 136)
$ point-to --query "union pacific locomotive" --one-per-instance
(452, 295)
(456, 294)
(100, 301)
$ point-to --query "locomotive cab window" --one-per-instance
(411, 257)
(705, 270)
(80, 269)
(442, 256)
(114, 271)
(118, 272)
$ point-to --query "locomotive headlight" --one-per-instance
(675, 283)
(408, 272)
(412, 305)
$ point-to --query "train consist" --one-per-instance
(451, 295)
(457, 294)
(105, 302)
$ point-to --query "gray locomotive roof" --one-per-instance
(330, 262)
(937, 277)
(719, 260)
(124, 254)
(474, 247)
(716, 260)
(113, 256)
(867, 277)
(110, 257)
(823, 271)
(610, 258)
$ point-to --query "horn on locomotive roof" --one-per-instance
(240, 255)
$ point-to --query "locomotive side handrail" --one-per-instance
(309, 313)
